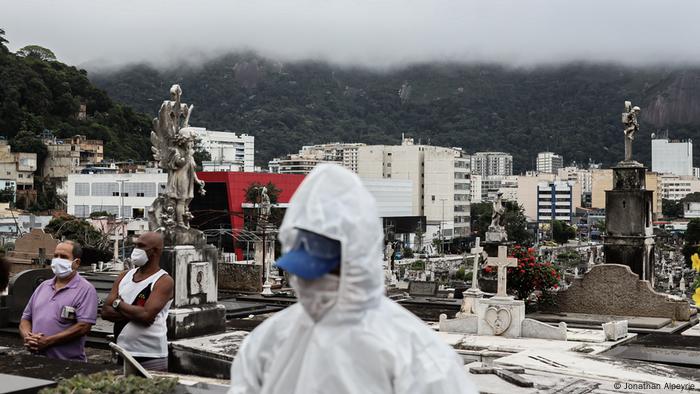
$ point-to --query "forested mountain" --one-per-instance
(572, 109)
(37, 93)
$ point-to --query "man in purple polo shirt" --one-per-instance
(62, 310)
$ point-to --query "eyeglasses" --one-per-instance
(316, 245)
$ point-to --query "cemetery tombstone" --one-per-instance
(422, 289)
(502, 314)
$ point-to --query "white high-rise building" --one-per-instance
(441, 187)
(584, 177)
(227, 149)
(549, 162)
(492, 163)
(309, 156)
(672, 157)
(674, 187)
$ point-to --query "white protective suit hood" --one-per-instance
(333, 202)
(364, 342)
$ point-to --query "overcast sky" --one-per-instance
(376, 33)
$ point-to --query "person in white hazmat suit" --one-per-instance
(344, 335)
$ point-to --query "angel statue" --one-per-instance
(629, 120)
(497, 214)
(173, 147)
(265, 205)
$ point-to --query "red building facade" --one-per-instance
(226, 195)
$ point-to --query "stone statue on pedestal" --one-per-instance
(497, 230)
(173, 147)
(186, 257)
(631, 123)
(265, 205)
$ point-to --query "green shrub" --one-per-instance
(109, 383)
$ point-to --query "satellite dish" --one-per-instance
(653, 135)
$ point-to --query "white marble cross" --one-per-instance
(502, 262)
(476, 253)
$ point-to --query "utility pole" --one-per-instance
(121, 218)
(442, 230)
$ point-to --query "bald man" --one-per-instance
(139, 303)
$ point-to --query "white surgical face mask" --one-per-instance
(61, 267)
(317, 296)
(139, 257)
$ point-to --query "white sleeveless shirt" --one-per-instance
(136, 338)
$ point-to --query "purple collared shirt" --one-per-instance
(44, 311)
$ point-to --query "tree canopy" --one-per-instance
(38, 93)
(80, 230)
(562, 232)
(37, 52)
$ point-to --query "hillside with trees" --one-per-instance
(572, 109)
(39, 93)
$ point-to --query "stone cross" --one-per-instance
(476, 252)
(509, 374)
(502, 262)
(670, 280)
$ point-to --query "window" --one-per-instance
(137, 213)
(432, 197)
(126, 211)
(82, 211)
(82, 189)
(142, 189)
(105, 189)
(20, 175)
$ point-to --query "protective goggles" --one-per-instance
(316, 245)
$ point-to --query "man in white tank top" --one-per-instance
(139, 303)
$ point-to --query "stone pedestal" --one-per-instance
(629, 236)
(500, 316)
(194, 310)
(491, 248)
(469, 299)
(496, 235)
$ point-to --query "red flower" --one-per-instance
(522, 271)
(487, 269)
(556, 286)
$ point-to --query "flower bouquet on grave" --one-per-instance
(535, 278)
